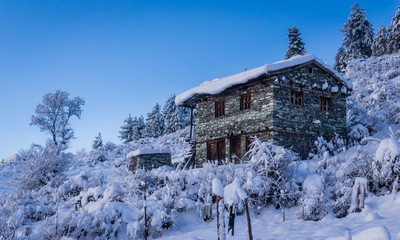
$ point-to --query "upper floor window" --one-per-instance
(297, 98)
(310, 70)
(245, 101)
(219, 108)
(325, 103)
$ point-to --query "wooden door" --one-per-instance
(212, 151)
(236, 151)
(221, 151)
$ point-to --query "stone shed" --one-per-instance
(289, 103)
(149, 158)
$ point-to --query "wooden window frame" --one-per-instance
(297, 98)
(219, 108)
(325, 103)
(245, 101)
(221, 155)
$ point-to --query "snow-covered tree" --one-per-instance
(154, 126)
(175, 117)
(171, 115)
(53, 116)
(138, 128)
(393, 35)
(296, 44)
(340, 63)
(126, 132)
(357, 34)
(98, 142)
(379, 46)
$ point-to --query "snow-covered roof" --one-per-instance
(147, 151)
(218, 85)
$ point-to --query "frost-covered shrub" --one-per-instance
(339, 173)
(313, 204)
(386, 164)
(270, 174)
(39, 165)
(359, 123)
(332, 147)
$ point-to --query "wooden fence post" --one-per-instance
(248, 219)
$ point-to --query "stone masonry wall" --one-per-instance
(150, 161)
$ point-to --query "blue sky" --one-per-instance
(124, 56)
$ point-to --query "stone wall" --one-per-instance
(272, 117)
(150, 161)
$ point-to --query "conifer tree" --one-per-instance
(98, 142)
(126, 132)
(138, 128)
(154, 126)
(339, 60)
(357, 34)
(296, 44)
(380, 42)
(171, 115)
(393, 35)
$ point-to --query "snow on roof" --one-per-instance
(218, 85)
(147, 151)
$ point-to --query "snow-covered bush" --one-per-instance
(339, 173)
(359, 124)
(386, 164)
(313, 205)
(39, 165)
(334, 146)
(270, 174)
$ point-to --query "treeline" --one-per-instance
(159, 121)
(359, 40)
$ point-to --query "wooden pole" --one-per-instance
(191, 124)
(248, 219)
(218, 223)
(146, 233)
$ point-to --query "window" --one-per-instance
(310, 70)
(216, 151)
(325, 103)
(219, 108)
(297, 98)
(245, 101)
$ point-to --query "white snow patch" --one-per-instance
(217, 187)
(325, 86)
(335, 89)
(313, 184)
(317, 121)
(148, 151)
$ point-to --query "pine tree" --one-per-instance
(357, 34)
(138, 128)
(393, 35)
(126, 132)
(97, 143)
(296, 44)
(339, 60)
(171, 115)
(154, 126)
(380, 42)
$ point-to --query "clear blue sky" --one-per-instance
(124, 56)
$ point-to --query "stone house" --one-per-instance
(289, 103)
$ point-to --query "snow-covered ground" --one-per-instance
(381, 217)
